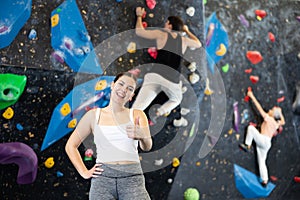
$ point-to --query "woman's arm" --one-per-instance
(282, 120)
(82, 130)
(141, 31)
(257, 104)
(192, 40)
(140, 131)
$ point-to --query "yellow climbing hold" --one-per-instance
(49, 162)
(8, 113)
(54, 20)
(65, 109)
(166, 114)
(72, 123)
(176, 162)
(131, 48)
(222, 50)
(101, 85)
(258, 18)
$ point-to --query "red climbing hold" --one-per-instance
(261, 13)
(297, 179)
(254, 79)
(151, 4)
(153, 52)
(145, 25)
(254, 57)
(248, 71)
(271, 37)
(281, 99)
(246, 98)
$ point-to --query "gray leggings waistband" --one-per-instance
(120, 171)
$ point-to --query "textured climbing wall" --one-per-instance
(49, 81)
(212, 175)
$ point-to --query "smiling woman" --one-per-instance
(117, 132)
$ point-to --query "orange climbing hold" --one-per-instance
(261, 13)
(254, 57)
(222, 50)
(254, 79)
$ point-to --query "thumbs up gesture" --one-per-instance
(135, 131)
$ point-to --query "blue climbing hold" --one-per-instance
(248, 184)
(13, 16)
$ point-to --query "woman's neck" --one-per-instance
(115, 108)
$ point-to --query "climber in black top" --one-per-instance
(164, 76)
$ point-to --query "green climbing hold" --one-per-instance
(11, 88)
(191, 194)
(192, 130)
(204, 2)
(225, 68)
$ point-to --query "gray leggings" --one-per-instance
(122, 182)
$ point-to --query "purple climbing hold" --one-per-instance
(3, 29)
(243, 20)
(58, 56)
(22, 155)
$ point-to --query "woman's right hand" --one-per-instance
(250, 94)
(139, 11)
(94, 172)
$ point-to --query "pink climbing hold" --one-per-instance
(254, 79)
(153, 52)
(151, 4)
(254, 57)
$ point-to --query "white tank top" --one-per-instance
(113, 144)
